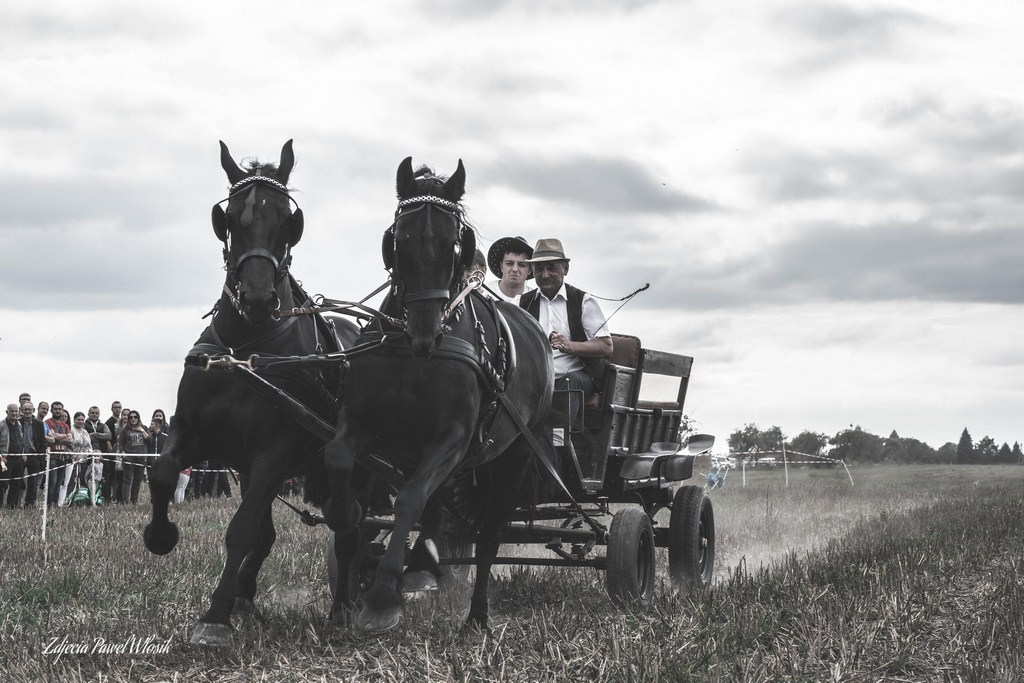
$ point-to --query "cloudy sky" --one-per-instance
(826, 197)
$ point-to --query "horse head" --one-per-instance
(427, 249)
(258, 229)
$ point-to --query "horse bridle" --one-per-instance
(232, 269)
(464, 244)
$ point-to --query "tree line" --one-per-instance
(854, 445)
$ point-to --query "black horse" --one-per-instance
(438, 395)
(220, 417)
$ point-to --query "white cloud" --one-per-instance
(825, 198)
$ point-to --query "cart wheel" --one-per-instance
(631, 559)
(691, 546)
(454, 576)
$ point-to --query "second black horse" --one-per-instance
(450, 387)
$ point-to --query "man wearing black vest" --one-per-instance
(31, 443)
(576, 326)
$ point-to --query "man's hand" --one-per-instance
(598, 347)
(559, 343)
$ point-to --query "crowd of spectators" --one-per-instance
(92, 461)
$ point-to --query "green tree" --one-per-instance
(687, 426)
(986, 451)
(947, 453)
(1005, 454)
(1018, 456)
(772, 439)
(965, 449)
(894, 450)
(811, 443)
(854, 445)
(745, 440)
(920, 452)
(751, 439)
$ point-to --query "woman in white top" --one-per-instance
(81, 447)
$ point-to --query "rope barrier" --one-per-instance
(786, 462)
(77, 458)
(106, 457)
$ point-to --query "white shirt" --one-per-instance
(554, 317)
(493, 284)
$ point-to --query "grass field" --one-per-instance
(912, 573)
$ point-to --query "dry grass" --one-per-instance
(911, 574)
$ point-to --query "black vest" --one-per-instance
(573, 308)
(595, 367)
(14, 442)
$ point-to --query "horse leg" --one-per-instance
(382, 607)
(488, 542)
(508, 473)
(351, 548)
(161, 535)
(342, 510)
(350, 553)
(214, 627)
(423, 570)
(253, 562)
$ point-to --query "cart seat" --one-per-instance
(625, 353)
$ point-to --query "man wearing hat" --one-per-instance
(507, 260)
(576, 326)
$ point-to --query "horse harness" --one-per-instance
(211, 351)
(386, 335)
(220, 228)
(465, 248)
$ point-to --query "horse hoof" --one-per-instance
(160, 542)
(379, 621)
(212, 635)
(246, 609)
(418, 582)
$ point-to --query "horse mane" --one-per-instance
(255, 167)
(424, 172)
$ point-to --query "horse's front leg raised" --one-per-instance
(161, 535)
(382, 607)
(242, 537)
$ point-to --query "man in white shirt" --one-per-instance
(577, 329)
(507, 260)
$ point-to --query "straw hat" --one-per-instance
(548, 249)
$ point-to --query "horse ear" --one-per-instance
(228, 164)
(220, 223)
(387, 248)
(406, 182)
(456, 185)
(468, 248)
(295, 223)
(287, 162)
